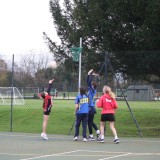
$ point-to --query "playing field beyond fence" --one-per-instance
(28, 118)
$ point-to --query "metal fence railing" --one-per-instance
(137, 93)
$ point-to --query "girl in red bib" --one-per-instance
(108, 104)
(47, 104)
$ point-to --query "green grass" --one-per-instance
(28, 118)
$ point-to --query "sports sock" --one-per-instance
(102, 136)
(97, 131)
(116, 137)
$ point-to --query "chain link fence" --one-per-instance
(138, 96)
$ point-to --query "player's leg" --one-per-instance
(90, 121)
(114, 132)
(102, 124)
(77, 125)
(44, 126)
(84, 125)
(45, 122)
(95, 128)
(91, 125)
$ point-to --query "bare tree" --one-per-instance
(27, 66)
(3, 72)
(31, 63)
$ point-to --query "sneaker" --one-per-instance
(98, 137)
(91, 138)
(116, 141)
(75, 138)
(101, 140)
(84, 139)
(44, 136)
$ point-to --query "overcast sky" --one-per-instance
(22, 23)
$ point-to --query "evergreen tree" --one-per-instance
(118, 27)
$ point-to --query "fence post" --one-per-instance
(12, 94)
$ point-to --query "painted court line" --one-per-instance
(146, 154)
(64, 154)
(14, 154)
(101, 151)
(122, 155)
(50, 155)
(131, 153)
(34, 136)
(84, 155)
(56, 136)
(144, 140)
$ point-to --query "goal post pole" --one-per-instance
(80, 59)
(79, 79)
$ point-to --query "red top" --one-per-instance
(47, 103)
(107, 104)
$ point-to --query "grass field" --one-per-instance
(28, 118)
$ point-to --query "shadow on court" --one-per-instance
(19, 146)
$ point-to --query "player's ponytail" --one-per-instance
(112, 95)
(107, 89)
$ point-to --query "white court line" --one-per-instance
(57, 136)
(77, 155)
(14, 154)
(141, 140)
(32, 136)
(50, 155)
(116, 156)
(36, 136)
(146, 154)
(133, 153)
(100, 151)
(85, 155)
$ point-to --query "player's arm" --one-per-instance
(49, 86)
(77, 101)
(115, 104)
(90, 75)
(99, 103)
(89, 78)
(76, 108)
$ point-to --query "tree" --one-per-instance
(3, 73)
(116, 26)
(27, 67)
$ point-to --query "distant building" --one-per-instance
(140, 93)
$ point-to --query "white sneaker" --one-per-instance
(44, 136)
(85, 140)
(101, 140)
(116, 141)
(75, 138)
(91, 138)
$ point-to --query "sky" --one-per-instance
(22, 23)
